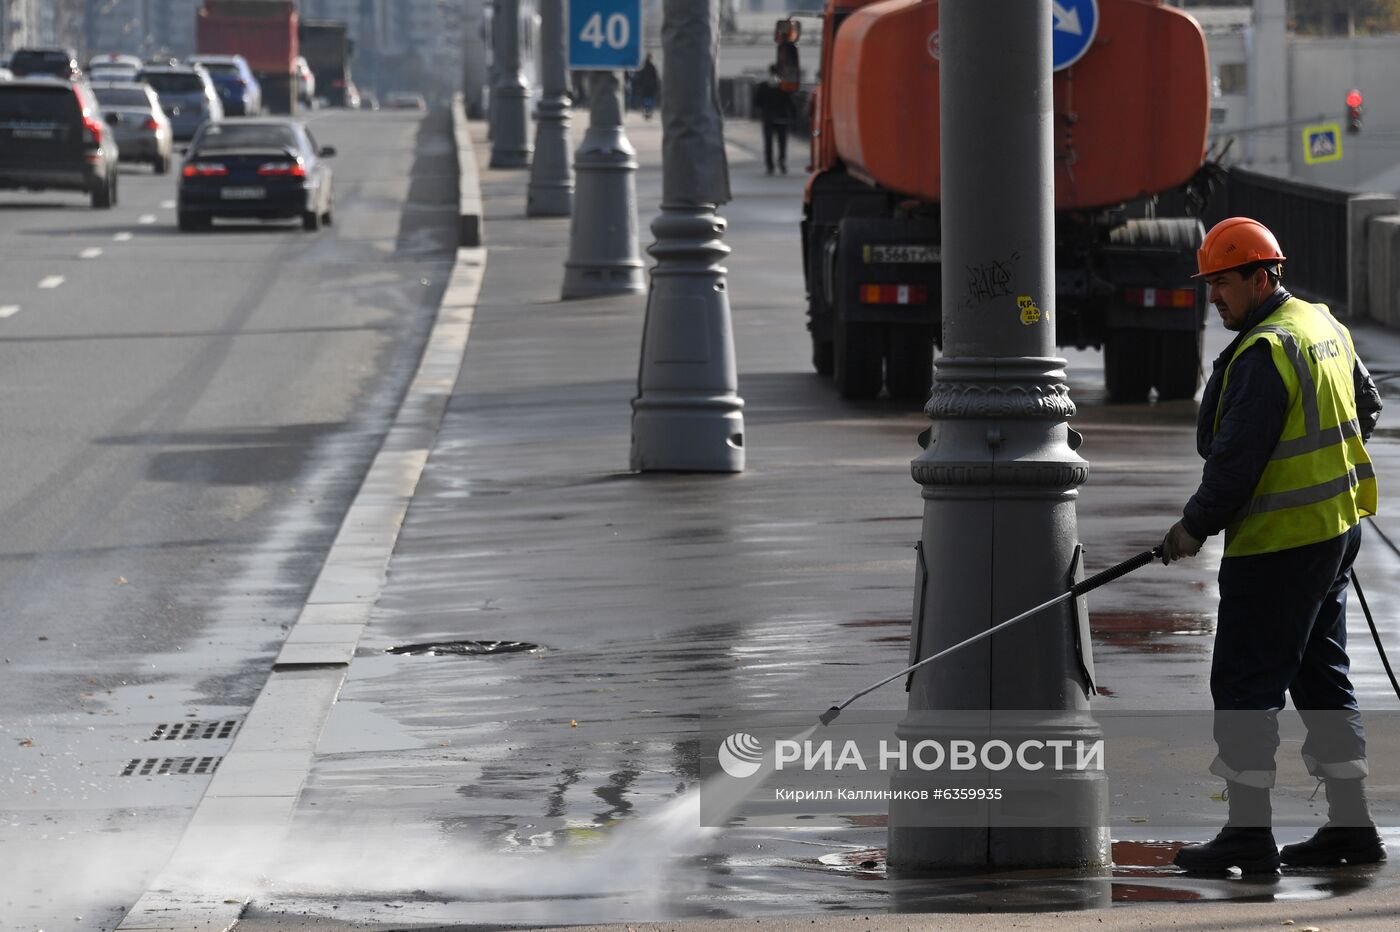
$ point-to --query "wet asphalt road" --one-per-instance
(543, 788)
(185, 419)
(540, 788)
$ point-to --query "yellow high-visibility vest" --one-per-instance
(1319, 482)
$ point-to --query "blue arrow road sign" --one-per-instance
(1076, 21)
(605, 35)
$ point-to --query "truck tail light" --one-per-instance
(282, 170)
(337, 83)
(150, 124)
(1160, 297)
(204, 170)
(893, 294)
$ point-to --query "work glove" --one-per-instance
(1179, 543)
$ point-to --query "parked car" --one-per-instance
(238, 90)
(52, 138)
(405, 100)
(260, 168)
(186, 94)
(306, 82)
(141, 127)
(55, 62)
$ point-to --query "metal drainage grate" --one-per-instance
(445, 648)
(170, 766)
(172, 731)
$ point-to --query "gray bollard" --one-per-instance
(510, 144)
(604, 257)
(688, 415)
(551, 190)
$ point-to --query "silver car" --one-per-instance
(140, 126)
(186, 94)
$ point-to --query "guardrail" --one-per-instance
(1343, 248)
(1313, 221)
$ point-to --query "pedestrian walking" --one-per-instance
(1281, 427)
(775, 108)
(646, 85)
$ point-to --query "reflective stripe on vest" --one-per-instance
(1320, 481)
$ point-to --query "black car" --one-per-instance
(259, 168)
(54, 62)
(52, 136)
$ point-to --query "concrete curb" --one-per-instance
(249, 803)
(468, 179)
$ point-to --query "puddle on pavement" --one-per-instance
(1153, 632)
(463, 648)
(1142, 873)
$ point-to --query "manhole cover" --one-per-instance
(475, 648)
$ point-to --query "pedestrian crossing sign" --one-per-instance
(1322, 143)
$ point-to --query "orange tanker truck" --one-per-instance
(1131, 117)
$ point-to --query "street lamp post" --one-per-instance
(604, 257)
(510, 145)
(999, 473)
(551, 189)
(688, 414)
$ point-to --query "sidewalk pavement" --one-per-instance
(539, 788)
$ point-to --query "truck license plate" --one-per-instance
(243, 194)
(908, 253)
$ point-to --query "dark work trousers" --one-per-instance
(1282, 628)
(775, 129)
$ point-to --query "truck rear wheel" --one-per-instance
(1127, 366)
(1153, 346)
(859, 355)
(1178, 364)
(909, 365)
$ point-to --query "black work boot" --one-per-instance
(1349, 837)
(1246, 841)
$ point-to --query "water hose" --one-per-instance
(1078, 589)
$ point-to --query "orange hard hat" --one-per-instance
(1235, 242)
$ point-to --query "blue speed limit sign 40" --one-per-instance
(605, 35)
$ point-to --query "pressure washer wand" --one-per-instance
(1078, 589)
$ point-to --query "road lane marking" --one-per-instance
(121, 237)
(92, 252)
(51, 281)
(167, 205)
(147, 218)
(8, 310)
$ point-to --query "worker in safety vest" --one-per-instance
(1287, 478)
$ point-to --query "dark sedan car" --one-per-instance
(257, 168)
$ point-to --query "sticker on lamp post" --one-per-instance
(605, 35)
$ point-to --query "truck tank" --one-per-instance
(1131, 122)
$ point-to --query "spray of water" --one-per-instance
(638, 856)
